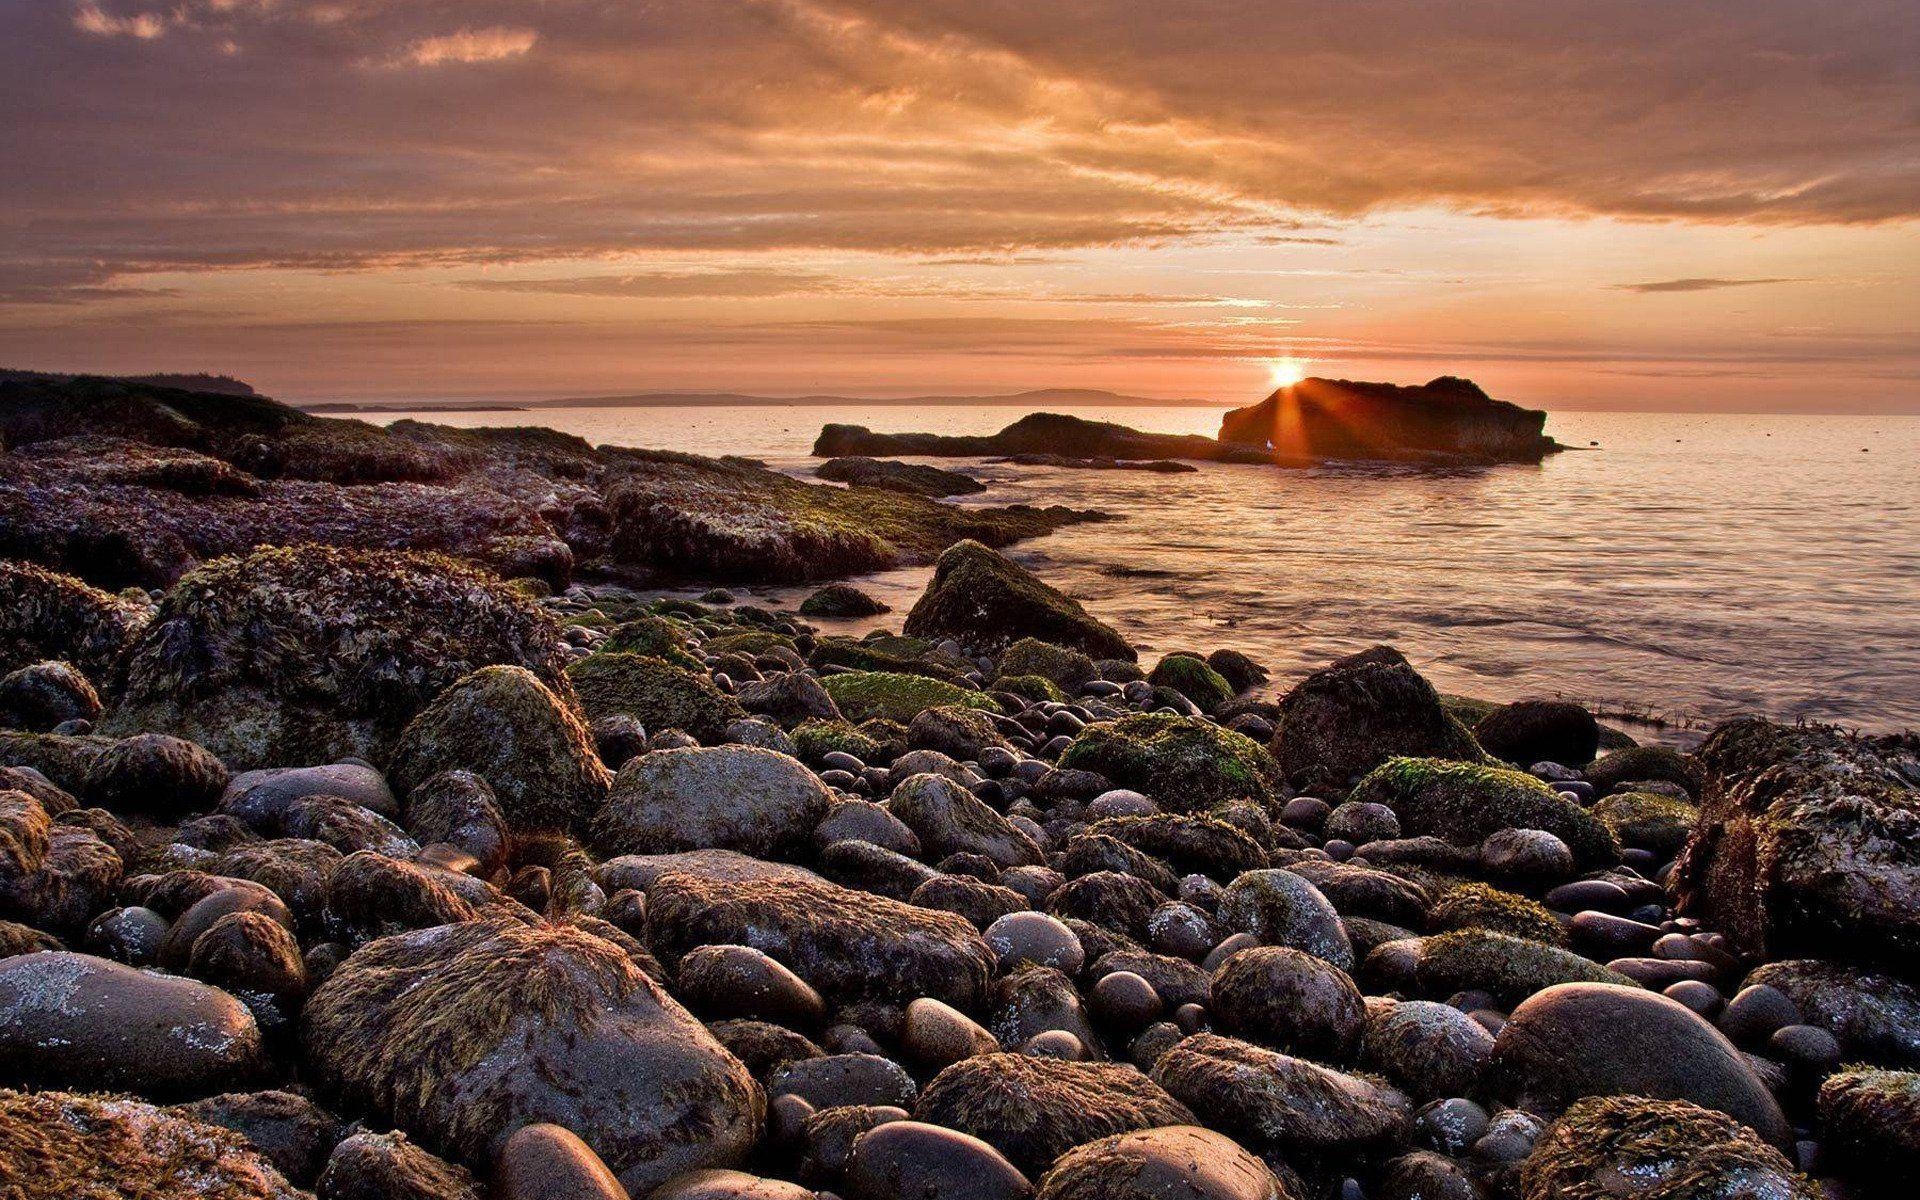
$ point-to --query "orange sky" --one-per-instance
(1638, 203)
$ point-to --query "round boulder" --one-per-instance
(1174, 1162)
(741, 798)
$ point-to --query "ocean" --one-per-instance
(1687, 568)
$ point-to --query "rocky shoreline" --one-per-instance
(353, 869)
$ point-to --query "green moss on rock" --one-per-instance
(655, 636)
(750, 642)
(1479, 906)
(1070, 670)
(1870, 1124)
(985, 601)
(59, 1145)
(1030, 687)
(655, 692)
(1465, 802)
(1648, 820)
(862, 695)
(1192, 678)
(1508, 968)
(816, 739)
(1603, 1148)
(1187, 765)
(45, 615)
(901, 656)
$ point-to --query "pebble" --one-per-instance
(541, 1162)
(910, 1159)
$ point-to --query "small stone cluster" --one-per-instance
(359, 876)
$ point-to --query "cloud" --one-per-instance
(471, 46)
(92, 19)
(1695, 285)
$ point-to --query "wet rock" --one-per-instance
(1478, 906)
(458, 808)
(980, 903)
(720, 982)
(1188, 843)
(312, 654)
(726, 1185)
(84, 1146)
(1281, 909)
(53, 875)
(864, 821)
(1869, 1121)
(1584, 1039)
(841, 600)
(847, 944)
(346, 827)
(1361, 892)
(937, 1035)
(1278, 1105)
(1875, 1015)
(961, 733)
(1120, 903)
(1036, 1000)
(1034, 1109)
(293, 1132)
(47, 616)
(761, 1046)
(1424, 1175)
(1176, 981)
(948, 819)
(543, 1161)
(911, 1158)
(1465, 803)
(372, 896)
(260, 797)
(73, 1020)
(44, 695)
(1808, 843)
(1089, 853)
(839, 1080)
(982, 599)
(156, 774)
(890, 695)
(386, 1166)
(1190, 675)
(1507, 968)
(789, 697)
(913, 478)
(1429, 1049)
(1531, 731)
(1643, 763)
(17, 939)
(1647, 821)
(1668, 1149)
(249, 952)
(1183, 763)
(1346, 719)
(461, 1034)
(1290, 1000)
(740, 798)
(506, 726)
(1181, 1161)
(1068, 670)
(1035, 938)
(1530, 857)
(654, 692)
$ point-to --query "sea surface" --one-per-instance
(1684, 567)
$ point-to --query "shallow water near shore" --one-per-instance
(1693, 567)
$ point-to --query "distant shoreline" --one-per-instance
(1051, 397)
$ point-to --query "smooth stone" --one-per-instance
(715, 1184)
(1173, 1162)
(838, 1080)
(550, 1162)
(910, 1160)
(721, 982)
(1032, 937)
(1755, 1012)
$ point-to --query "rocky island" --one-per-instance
(369, 832)
(1448, 422)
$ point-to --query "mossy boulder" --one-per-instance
(1480, 906)
(1429, 1048)
(654, 636)
(1466, 802)
(1189, 843)
(1507, 968)
(462, 1034)
(849, 945)
(66, 1147)
(654, 692)
(48, 616)
(1190, 675)
(1280, 908)
(1183, 1161)
(507, 727)
(61, 758)
(1640, 764)
(1033, 1110)
(817, 739)
(899, 655)
(1032, 688)
(1530, 731)
(1069, 670)
(1648, 820)
(841, 600)
(312, 654)
(1187, 765)
(1869, 1121)
(43, 695)
(387, 1166)
(1658, 1150)
(864, 695)
(1808, 843)
(1345, 719)
(740, 798)
(985, 601)
(1241, 672)
(1282, 1106)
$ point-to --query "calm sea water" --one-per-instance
(1696, 567)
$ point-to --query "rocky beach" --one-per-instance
(372, 827)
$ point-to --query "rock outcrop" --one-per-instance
(985, 601)
(1446, 419)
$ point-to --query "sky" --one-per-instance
(1660, 204)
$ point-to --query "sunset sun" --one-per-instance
(1285, 372)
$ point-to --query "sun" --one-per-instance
(1285, 372)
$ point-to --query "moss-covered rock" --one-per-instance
(1189, 843)
(1875, 1014)
(387, 1166)
(529, 744)
(899, 655)
(1808, 843)
(1507, 968)
(1069, 670)
(740, 798)
(1648, 820)
(864, 695)
(44, 695)
(655, 692)
(1035, 1109)
(1870, 1125)
(849, 945)
(1465, 802)
(48, 616)
(461, 1034)
(1668, 1149)
(841, 600)
(61, 1146)
(1187, 765)
(1347, 718)
(1480, 906)
(1033, 688)
(1430, 1049)
(1183, 1161)
(1639, 764)
(657, 637)
(312, 654)
(1530, 731)
(985, 601)
(816, 739)
(1190, 675)
(64, 759)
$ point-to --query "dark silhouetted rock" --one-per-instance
(983, 600)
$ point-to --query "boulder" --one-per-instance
(1869, 1121)
(1281, 1106)
(1808, 843)
(654, 692)
(462, 1034)
(949, 819)
(1874, 1014)
(43, 695)
(911, 1158)
(1633, 764)
(985, 601)
(1288, 999)
(1577, 1040)
(541, 1162)
(54, 875)
(1430, 1049)
(1507, 968)
(1659, 1150)
(72, 1020)
(1035, 1109)
(260, 797)
(526, 740)
(48, 616)
(1345, 719)
(1465, 803)
(1280, 908)
(312, 654)
(386, 1166)
(1530, 731)
(1190, 675)
(1185, 764)
(294, 1133)
(77, 1146)
(1175, 1161)
(960, 732)
(849, 945)
(757, 802)
(789, 697)
(866, 695)
(1068, 670)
